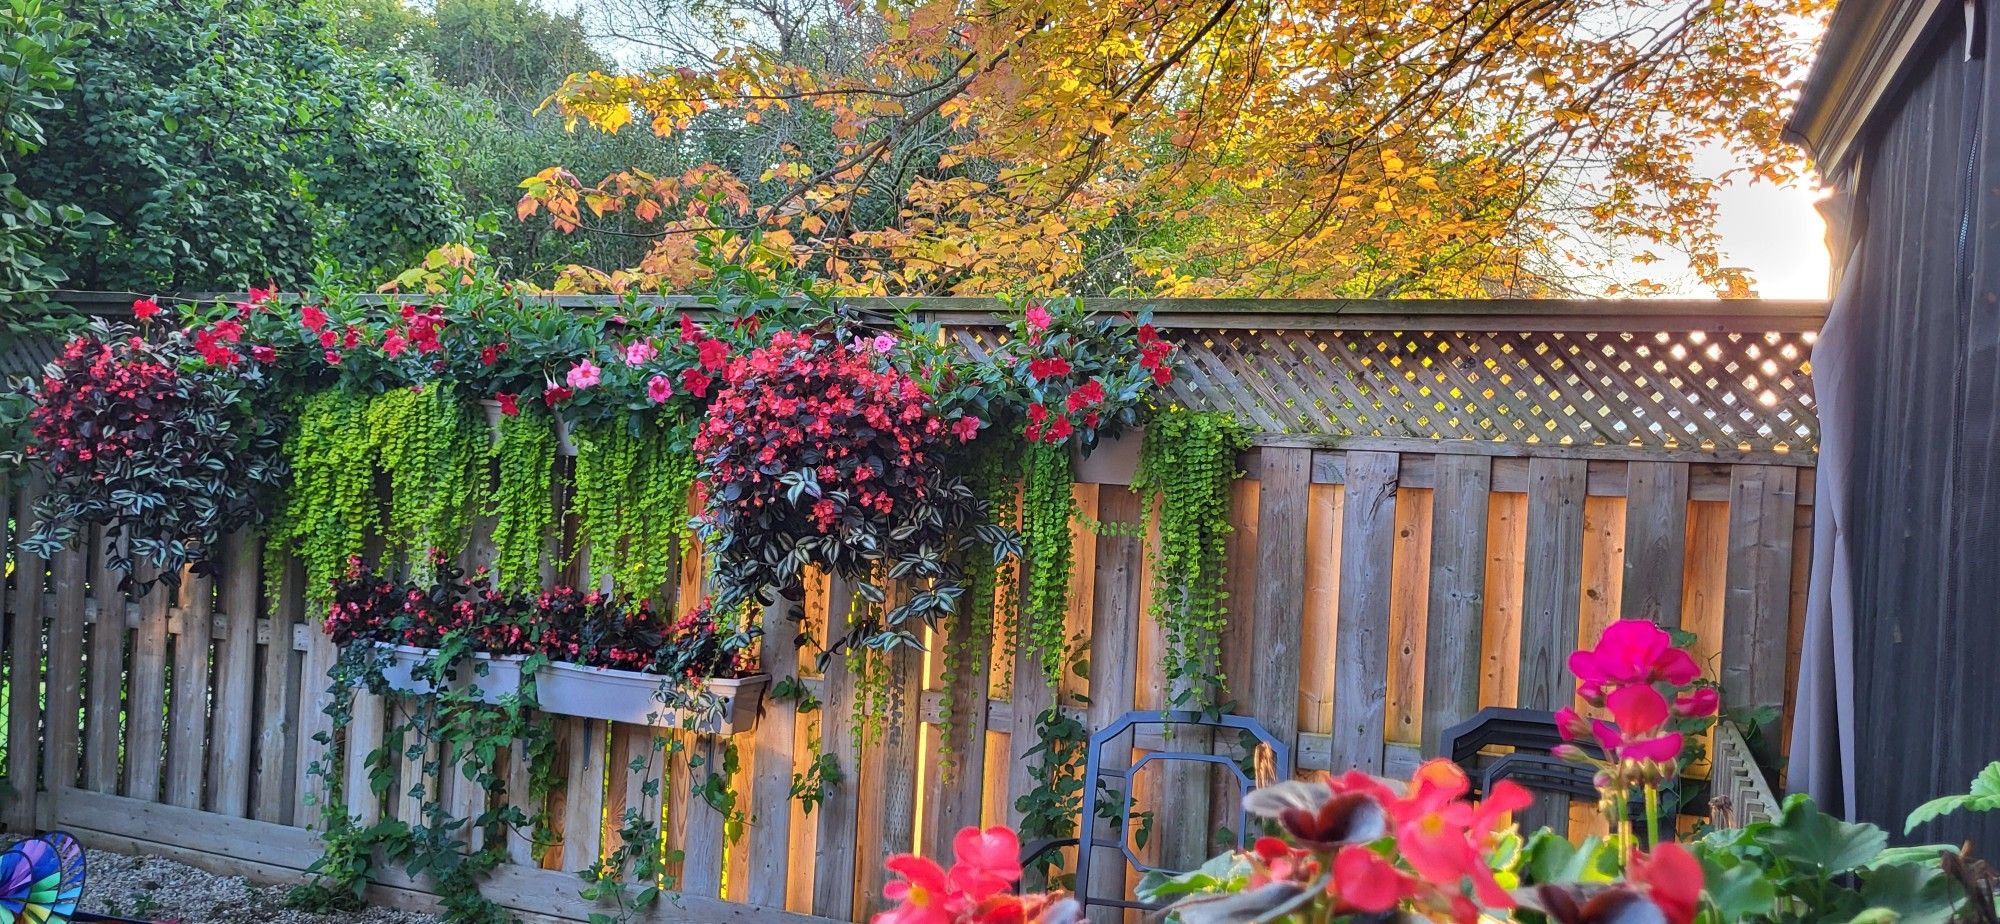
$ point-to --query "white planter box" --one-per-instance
(633, 698)
(487, 677)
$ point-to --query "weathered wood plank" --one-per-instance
(1283, 506)
(363, 736)
(1453, 644)
(1655, 541)
(769, 835)
(833, 878)
(104, 710)
(1409, 615)
(1756, 608)
(145, 732)
(703, 838)
(314, 768)
(1322, 606)
(70, 574)
(229, 746)
(1552, 584)
(583, 742)
(187, 717)
(25, 648)
(274, 787)
(1368, 534)
(1114, 672)
(899, 750)
(1603, 566)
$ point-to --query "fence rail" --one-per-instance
(1386, 580)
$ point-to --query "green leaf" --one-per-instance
(1738, 891)
(1807, 837)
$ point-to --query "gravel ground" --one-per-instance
(153, 889)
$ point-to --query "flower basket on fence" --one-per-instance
(488, 678)
(1114, 460)
(729, 707)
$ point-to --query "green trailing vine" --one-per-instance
(523, 506)
(1051, 808)
(995, 473)
(1185, 471)
(1047, 506)
(331, 508)
(631, 499)
(428, 442)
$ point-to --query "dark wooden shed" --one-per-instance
(1898, 700)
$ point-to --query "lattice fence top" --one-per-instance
(1735, 394)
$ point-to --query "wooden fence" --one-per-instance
(1442, 501)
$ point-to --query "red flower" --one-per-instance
(332, 358)
(1092, 393)
(695, 383)
(1037, 413)
(989, 861)
(1364, 881)
(509, 403)
(328, 338)
(1162, 375)
(689, 332)
(260, 296)
(1038, 317)
(145, 309)
(1672, 878)
(965, 428)
(313, 318)
(1043, 369)
(556, 394)
(1698, 703)
(263, 354)
(351, 338)
(1059, 429)
(714, 355)
(490, 353)
(393, 344)
(921, 893)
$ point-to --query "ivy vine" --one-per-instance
(523, 503)
(1047, 506)
(428, 442)
(1185, 470)
(331, 508)
(995, 474)
(632, 501)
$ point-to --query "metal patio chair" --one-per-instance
(1094, 773)
(1532, 735)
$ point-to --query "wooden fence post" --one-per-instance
(1453, 644)
(1361, 636)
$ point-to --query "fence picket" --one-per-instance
(69, 575)
(25, 648)
(1113, 671)
(187, 716)
(235, 678)
(1656, 499)
(768, 840)
(1452, 643)
(1552, 585)
(1756, 608)
(833, 878)
(145, 730)
(1362, 632)
(277, 704)
(102, 719)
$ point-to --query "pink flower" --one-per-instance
(965, 428)
(989, 861)
(1672, 878)
(659, 388)
(145, 308)
(1698, 703)
(312, 317)
(332, 358)
(1367, 882)
(884, 343)
(1038, 318)
(584, 374)
(260, 296)
(1637, 709)
(1634, 651)
(393, 344)
(714, 354)
(640, 352)
(920, 894)
(263, 354)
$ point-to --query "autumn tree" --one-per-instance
(1378, 148)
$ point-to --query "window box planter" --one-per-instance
(632, 698)
(493, 415)
(488, 677)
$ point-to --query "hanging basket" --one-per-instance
(487, 678)
(563, 445)
(633, 698)
(1111, 461)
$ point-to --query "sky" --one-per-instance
(1776, 233)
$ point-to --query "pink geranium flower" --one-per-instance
(1634, 651)
(1038, 318)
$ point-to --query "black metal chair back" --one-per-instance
(1095, 773)
(1533, 735)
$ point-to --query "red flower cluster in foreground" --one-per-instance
(974, 891)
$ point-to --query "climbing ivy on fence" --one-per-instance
(1186, 468)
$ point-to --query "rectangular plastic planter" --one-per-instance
(632, 698)
(491, 677)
